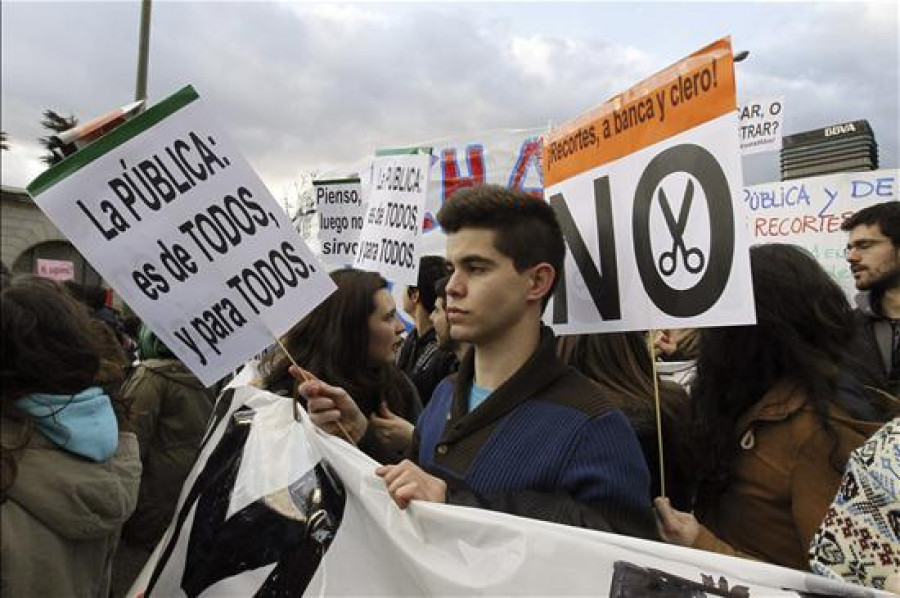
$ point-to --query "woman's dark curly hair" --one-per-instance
(49, 344)
(804, 326)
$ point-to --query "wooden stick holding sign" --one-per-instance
(651, 343)
(309, 377)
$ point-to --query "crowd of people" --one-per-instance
(482, 405)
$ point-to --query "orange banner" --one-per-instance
(692, 91)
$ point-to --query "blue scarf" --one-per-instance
(83, 424)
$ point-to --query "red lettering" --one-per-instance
(760, 227)
(452, 181)
(809, 224)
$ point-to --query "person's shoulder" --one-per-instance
(575, 390)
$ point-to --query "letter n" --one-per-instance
(604, 290)
(452, 181)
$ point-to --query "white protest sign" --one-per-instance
(169, 212)
(644, 188)
(809, 213)
(395, 211)
(341, 212)
(214, 546)
(761, 125)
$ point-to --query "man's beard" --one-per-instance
(885, 282)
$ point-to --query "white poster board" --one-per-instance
(809, 213)
(169, 212)
(395, 192)
(761, 125)
(645, 189)
(341, 212)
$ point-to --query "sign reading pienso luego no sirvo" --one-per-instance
(645, 188)
(168, 211)
(341, 210)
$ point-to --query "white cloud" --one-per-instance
(304, 86)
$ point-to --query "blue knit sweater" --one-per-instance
(546, 429)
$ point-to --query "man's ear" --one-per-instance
(541, 280)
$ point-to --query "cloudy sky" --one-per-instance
(320, 86)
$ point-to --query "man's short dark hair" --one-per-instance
(526, 229)
(886, 215)
(431, 269)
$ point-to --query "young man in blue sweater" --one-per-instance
(514, 430)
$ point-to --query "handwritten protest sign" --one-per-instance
(341, 213)
(760, 125)
(168, 211)
(809, 213)
(644, 187)
(389, 241)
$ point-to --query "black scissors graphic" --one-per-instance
(668, 259)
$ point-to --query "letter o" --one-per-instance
(703, 166)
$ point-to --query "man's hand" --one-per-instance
(406, 482)
(674, 526)
(328, 405)
(392, 431)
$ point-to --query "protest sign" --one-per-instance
(644, 187)
(341, 214)
(55, 269)
(809, 213)
(168, 211)
(275, 507)
(395, 192)
(760, 125)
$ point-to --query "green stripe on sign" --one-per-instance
(345, 181)
(112, 140)
(403, 151)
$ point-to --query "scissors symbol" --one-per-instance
(668, 259)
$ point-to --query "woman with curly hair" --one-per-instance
(777, 409)
(351, 340)
(69, 470)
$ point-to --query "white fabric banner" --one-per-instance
(378, 550)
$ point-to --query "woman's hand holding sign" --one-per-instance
(331, 407)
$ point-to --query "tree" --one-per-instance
(3, 145)
(58, 124)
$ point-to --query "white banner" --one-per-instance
(170, 213)
(395, 192)
(645, 189)
(761, 125)
(341, 212)
(809, 213)
(259, 506)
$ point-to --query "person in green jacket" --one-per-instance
(171, 408)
